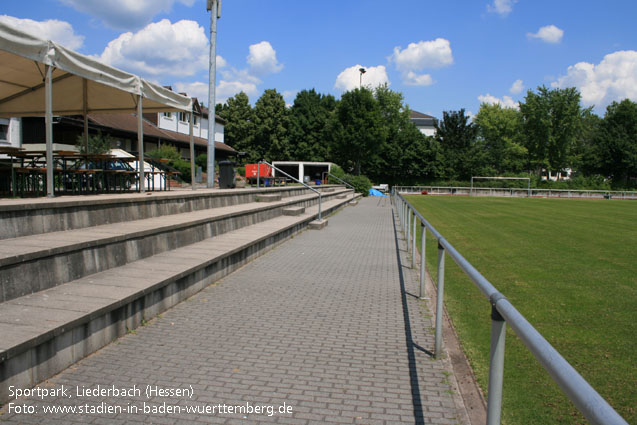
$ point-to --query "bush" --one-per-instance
(241, 171)
(201, 160)
(170, 152)
(97, 143)
(361, 183)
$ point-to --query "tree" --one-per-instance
(404, 155)
(356, 132)
(499, 133)
(458, 139)
(97, 143)
(271, 127)
(551, 120)
(616, 143)
(308, 118)
(240, 124)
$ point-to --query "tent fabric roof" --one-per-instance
(23, 58)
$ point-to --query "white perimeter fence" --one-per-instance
(517, 192)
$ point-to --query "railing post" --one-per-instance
(320, 217)
(413, 243)
(423, 265)
(408, 227)
(439, 298)
(496, 363)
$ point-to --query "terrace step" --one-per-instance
(45, 332)
(33, 263)
(293, 211)
(269, 197)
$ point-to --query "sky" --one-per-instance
(441, 55)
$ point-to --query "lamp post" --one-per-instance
(362, 71)
(213, 6)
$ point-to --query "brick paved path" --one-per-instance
(320, 325)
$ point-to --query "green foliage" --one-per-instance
(616, 143)
(271, 128)
(534, 252)
(240, 128)
(499, 133)
(241, 171)
(175, 160)
(361, 183)
(356, 132)
(201, 160)
(463, 157)
(551, 121)
(97, 143)
(307, 122)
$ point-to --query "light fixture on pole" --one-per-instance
(213, 6)
(362, 71)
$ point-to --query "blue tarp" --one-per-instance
(374, 192)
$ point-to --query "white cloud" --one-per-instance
(125, 14)
(161, 48)
(517, 87)
(424, 54)
(501, 7)
(262, 59)
(59, 31)
(227, 89)
(413, 79)
(614, 78)
(349, 79)
(196, 89)
(548, 34)
(506, 101)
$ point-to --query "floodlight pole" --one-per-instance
(214, 6)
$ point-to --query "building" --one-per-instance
(425, 123)
(10, 132)
(159, 129)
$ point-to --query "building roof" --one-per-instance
(416, 114)
(128, 124)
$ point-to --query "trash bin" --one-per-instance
(226, 175)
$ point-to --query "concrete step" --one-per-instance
(293, 211)
(270, 197)
(31, 217)
(33, 263)
(45, 332)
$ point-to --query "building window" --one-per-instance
(195, 120)
(4, 132)
(184, 116)
(168, 115)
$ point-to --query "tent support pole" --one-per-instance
(85, 111)
(48, 123)
(140, 145)
(192, 149)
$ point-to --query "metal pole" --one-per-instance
(48, 123)
(192, 149)
(320, 216)
(85, 111)
(439, 298)
(214, 7)
(140, 145)
(496, 366)
(413, 243)
(471, 190)
(408, 227)
(423, 265)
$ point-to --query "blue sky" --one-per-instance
(442, 55)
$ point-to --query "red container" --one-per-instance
(264, 170)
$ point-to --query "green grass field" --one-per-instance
(570, 267)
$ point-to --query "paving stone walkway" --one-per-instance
(322, 329)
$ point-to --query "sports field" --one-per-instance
(570, 267)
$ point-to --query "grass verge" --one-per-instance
(570, 267)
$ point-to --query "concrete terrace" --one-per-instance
(325, 324)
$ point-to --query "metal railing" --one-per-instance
(296, 180)
(577, 389)
(340, 180)
(519, 192)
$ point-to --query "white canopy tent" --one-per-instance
(42, 78)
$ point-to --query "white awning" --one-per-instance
(23, 58)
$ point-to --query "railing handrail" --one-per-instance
(296, 180)
(592, 405)
(536, 189)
